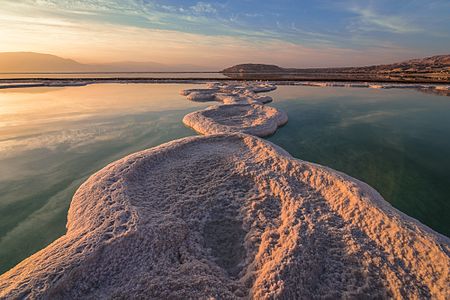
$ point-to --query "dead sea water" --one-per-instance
(396, 140)
(52, 139)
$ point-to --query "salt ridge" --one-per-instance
(231, 216)
(243, 110)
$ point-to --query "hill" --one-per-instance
(435, 69)
(31, 62)
(255, 68)
(38, 62)
(439, 63)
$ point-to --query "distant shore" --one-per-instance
(434, 87)
(238, 77)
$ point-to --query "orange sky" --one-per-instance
(100, 31)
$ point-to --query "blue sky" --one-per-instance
(287, 32)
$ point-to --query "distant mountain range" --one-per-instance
(434, 64)
(435, 68)
(29, 62)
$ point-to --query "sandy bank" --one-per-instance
(231, 216)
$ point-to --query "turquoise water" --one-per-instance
(396, 140)
(52, 139)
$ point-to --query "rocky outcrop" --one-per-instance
(254, 68)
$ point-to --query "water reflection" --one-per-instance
(395, 140)
(52, 139)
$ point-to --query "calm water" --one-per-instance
(395, 140)
(52, 139)
(150, 75)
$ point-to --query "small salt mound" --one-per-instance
(189, 91)
(254, 119)
(201, 96)
(235, 99)
(242, 98)
(263, 88)
(226, 217)
(227, 93)
(258, 98)
(264, 99)
(229, 98)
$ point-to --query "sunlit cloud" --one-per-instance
(174, 32)
(369, 19)
(203, 7)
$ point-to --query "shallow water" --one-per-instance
(396, 140)
(52, 139)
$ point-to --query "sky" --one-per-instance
(217, 34)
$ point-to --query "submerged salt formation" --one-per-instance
(236, 98)
(228, 93)
(231, 216)
(254, 119)
(189, 91)
(201, 96)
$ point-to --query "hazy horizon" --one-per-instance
(29, 62)
(33, 62)
(218, 34)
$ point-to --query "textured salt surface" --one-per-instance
(254, 119)
(231, 216)
(229, 93)
(242, 110)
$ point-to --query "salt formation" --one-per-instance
(201, 96)
(231, 216)
(254, 119)
(443, 87)
(242, 110)
(189, 91)
(227, 93)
